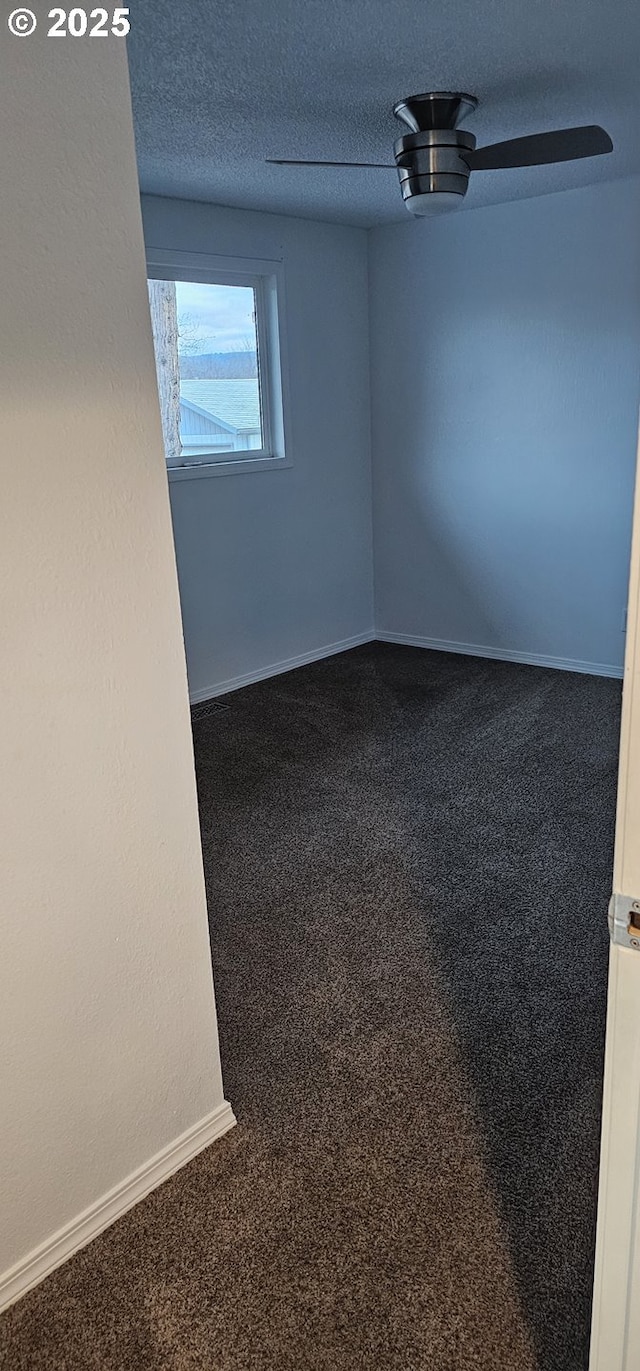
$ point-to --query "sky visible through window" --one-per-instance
(215, 318)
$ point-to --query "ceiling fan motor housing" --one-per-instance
(433, 162)
(430, 159)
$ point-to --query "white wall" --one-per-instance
(107, 1018)
(278, 564)
(505, 381)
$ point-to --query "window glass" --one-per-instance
(206, 345)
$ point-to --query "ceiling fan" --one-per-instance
(434, 161)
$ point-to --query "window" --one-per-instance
(217, 342)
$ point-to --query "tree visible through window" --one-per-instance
(206, 345)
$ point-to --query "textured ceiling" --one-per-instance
(217, 87)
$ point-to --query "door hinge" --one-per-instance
(624, 921)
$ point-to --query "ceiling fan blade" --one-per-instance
(293, 162)
(539, 149)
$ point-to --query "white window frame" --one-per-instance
(266, 278)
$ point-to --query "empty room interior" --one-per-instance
(389, 419)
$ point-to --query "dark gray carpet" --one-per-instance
(408, 861)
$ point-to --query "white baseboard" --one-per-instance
(57, 1249)
(278, 668)
(502, 654)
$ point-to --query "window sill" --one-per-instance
(237, 467)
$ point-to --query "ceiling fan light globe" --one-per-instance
(433, 202)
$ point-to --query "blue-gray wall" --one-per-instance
(505, 349)
(277, 565)
(505, 379)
